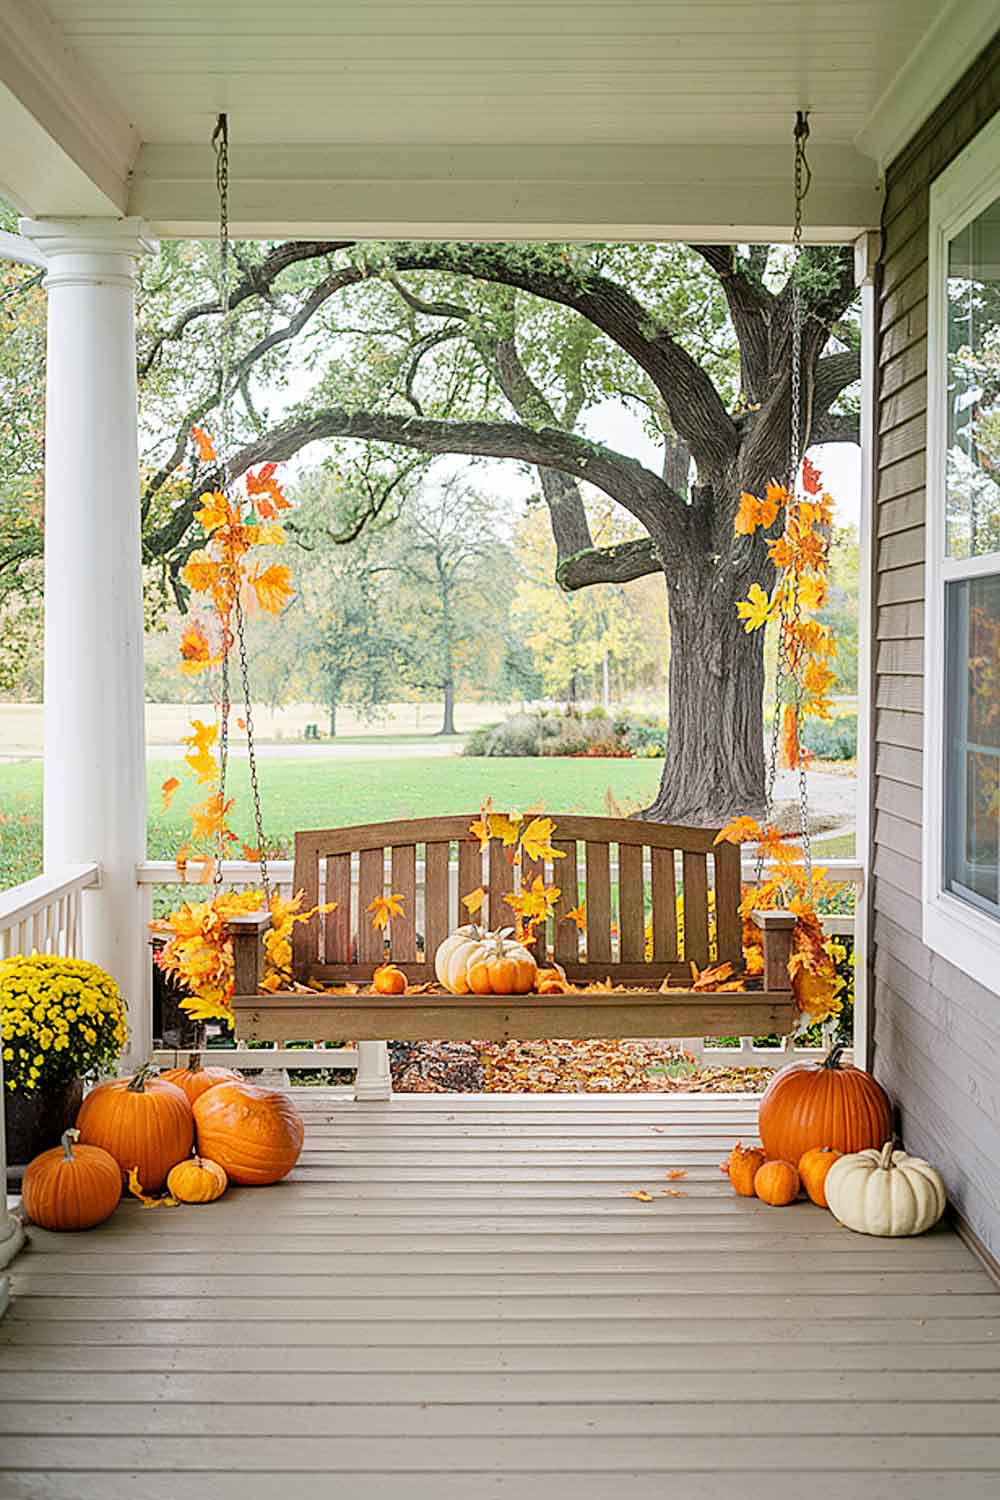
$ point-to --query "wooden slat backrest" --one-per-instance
(656, 865)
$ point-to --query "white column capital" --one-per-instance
(89, 251)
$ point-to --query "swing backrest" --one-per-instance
(657, 898)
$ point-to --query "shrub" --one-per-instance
(568, 732)
(836, 739)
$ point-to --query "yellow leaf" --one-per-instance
(676, 1174)
(480, 829)
(756, 609)
(535, 840)
(200, 572)
(577, 915)
(473, 902)
(642, 1196)
(135, 1188)
(215, 512)
(384, 907)
(273, 587)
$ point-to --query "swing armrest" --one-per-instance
(247, 932)
(777, 928)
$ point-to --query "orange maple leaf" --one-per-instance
(676, 1174)
(812, 482)
(204, 444)
(384, 907)
(747, 517)
(738, 831)
(273, 587)
(167, 791)
(195, 651)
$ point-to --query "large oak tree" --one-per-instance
(503, 352)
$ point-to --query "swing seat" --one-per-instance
(687, 888)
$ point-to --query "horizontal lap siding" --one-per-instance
(936, 1032)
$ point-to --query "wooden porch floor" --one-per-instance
(454, 1297)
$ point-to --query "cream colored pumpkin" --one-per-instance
(469, 946)
(885, 1192)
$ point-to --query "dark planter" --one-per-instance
(172, 1026)
(37, 1120)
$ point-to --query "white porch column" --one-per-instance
(95, 747)
(373, 1080)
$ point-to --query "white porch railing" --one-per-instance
(43, 915)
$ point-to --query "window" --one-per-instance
(961, 836)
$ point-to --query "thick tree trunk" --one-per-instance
(714, 768)
(448, 721)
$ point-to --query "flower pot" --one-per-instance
(37, 1120)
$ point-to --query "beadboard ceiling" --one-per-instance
(511, 87)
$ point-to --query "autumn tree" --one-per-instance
(506, 352)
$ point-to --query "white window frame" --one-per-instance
(965, 936)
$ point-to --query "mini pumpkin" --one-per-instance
(777, 1183)
(813, 1169)
(471, 948)
(254, 1134)
(742, 1166)
(197, 1180)
(388, 980)
(885, 1192)
(71, 1187)
(829, 1103)
(195, 1079)
(144, 1122)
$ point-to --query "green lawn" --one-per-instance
(317, 793)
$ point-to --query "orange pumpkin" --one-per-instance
(71, 1187)
(813, 1167)
(255, 1134)
(388, 980)
(197, 1180)
(502, 969)
(823, 1104)
(143, 1122)
(741, 1166)
(777, 1183)
(195, 1079)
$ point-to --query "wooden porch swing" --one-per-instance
(434, 863)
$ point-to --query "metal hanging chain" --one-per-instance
(784, 668)
(220, 143)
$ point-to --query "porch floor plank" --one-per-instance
(454, 1298)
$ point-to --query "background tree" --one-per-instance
(508, 352)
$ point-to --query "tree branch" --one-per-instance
(619, 564)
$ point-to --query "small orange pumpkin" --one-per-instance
(388, 980)
(813, 1167)
(68, 1188)
(194, 1080)
(777, 1183)
(502, 969)
(143, 1122)
(742, 1166)
(254, 1134)
(197, 1180)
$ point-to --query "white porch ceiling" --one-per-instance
(469, 116)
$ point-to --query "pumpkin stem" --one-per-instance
(885, 1160)
(832, 1059)
(68, 1137)
(137, 1085)
(194, 1062)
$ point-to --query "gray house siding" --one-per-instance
(936, 1033)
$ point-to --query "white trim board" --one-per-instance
(950, 46)
(955, 929)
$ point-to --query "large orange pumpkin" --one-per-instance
(254, 1134)
(195, 1080)
(71, 1188)
(143, 1122)
(810, 1105)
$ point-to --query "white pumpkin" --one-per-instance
(468, 946)
(885, 1192)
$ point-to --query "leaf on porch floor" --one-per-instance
(676, 1174)
(147, 1201)
(642, 1196)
